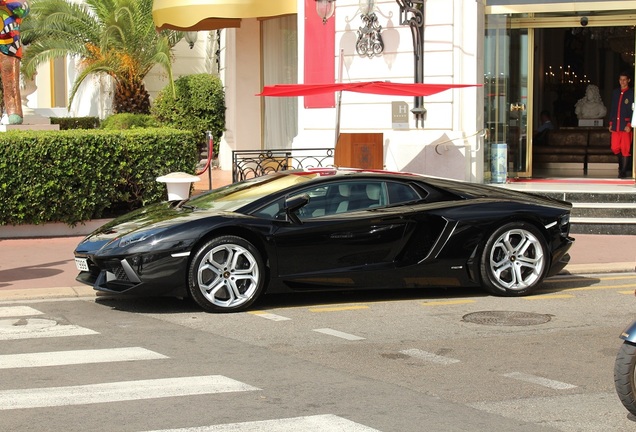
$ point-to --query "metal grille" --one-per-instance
(119, 273)
(255, 163)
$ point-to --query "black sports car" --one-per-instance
(326, 229)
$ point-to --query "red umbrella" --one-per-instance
(371, 87)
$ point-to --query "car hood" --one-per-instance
(156, 218)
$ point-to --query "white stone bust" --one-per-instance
(591, 105)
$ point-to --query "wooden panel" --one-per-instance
(360, 150)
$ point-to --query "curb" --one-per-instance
(47, 293)
(583, 269)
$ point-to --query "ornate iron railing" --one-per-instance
(255, 163)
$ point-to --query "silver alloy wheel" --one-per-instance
(228, 276)
(517, 259)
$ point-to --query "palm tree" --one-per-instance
(113, 37)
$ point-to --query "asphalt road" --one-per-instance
(388, 361)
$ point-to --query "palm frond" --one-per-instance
(117, 37)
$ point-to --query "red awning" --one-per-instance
(371, 87)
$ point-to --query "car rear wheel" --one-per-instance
(514, 260)
(227, 274)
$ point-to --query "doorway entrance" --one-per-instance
(547, 65)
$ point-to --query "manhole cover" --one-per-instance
(506, 318)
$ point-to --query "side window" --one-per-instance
(353, 196)
(401, 193)
(317, 204)
(274, 210)
(343, 197)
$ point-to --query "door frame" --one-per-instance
(531, 21)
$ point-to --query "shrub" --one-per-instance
(74, 176)
(129, 121)
(199, 106)
(67, 123)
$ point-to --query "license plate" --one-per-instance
(81, 264)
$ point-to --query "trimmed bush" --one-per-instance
(129, 121)
(67, 123)
(199, 106)
(75, 176)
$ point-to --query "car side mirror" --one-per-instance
(293, 204)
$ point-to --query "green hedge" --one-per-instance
(129, 121)
(75, 176)
(67, 123)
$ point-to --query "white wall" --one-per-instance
(449, 144)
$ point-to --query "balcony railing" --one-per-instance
(255, 163)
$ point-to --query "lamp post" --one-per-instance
(412, 13)
(325, 9)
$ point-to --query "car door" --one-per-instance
(357, 231)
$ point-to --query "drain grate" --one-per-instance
(506, 318)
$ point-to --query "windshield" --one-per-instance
(236, 195)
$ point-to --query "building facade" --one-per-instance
(526, 56)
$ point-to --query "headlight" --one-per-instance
(565, 219)
(136, 237)
(564, 225)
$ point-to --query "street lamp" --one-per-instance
(412, 13)
(325, 9)
(191, 38)
(369, 41)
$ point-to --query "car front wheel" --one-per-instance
(227, 274)
(514, 260)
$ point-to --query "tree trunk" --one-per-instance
(131, 97)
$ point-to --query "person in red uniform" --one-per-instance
(621, 111)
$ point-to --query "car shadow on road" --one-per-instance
(172, 305)
(566, 282)
(169, 305)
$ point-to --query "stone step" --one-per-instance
(600, 212)
(604, 210)
(599, 225)
(593, 197)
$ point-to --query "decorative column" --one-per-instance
(412, 13)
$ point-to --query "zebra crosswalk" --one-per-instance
(24, 323)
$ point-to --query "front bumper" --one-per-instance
(150, 274)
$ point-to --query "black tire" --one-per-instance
(514, 261)
(227, 274)
(624, 376)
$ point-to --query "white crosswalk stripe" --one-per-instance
(18, 311)
(24, 323)
(31, 328)
(119, 391)
(76, 357)
(317, 423)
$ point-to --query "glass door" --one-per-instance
(506, 81)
